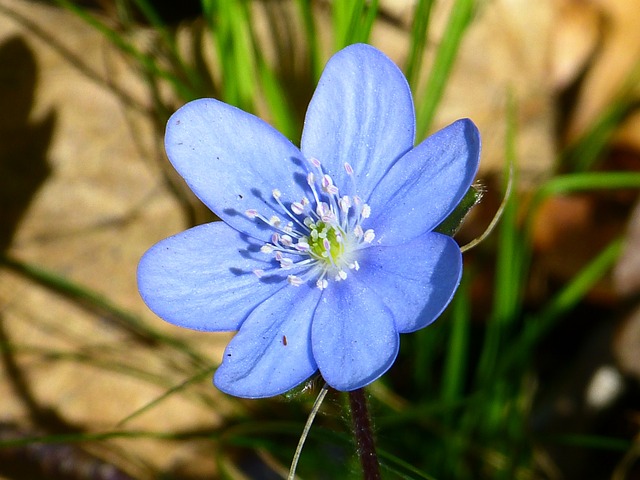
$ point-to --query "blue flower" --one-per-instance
(325, 254)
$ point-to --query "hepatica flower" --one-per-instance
(325, 253)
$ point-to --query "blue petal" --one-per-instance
(353, 335)
(425, 185)
(416, 280)
(203, 278)
(361, 113)
(271, 353)
(232, 161)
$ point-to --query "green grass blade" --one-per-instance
(508, 283)
(305, 7)
(457, 353)
(586, 150)
(459, 20)
(419, 39)
(173, 390)
(540, 324)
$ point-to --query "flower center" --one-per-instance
(323, 235)
(325, 242)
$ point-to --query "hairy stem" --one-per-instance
(364, 435)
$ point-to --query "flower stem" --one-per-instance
(364, 435)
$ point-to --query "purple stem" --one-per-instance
(364, 436)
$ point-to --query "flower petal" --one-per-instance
(203, 278)
(353, 335)
(416, 280)
(361, 113)
(271, 353)
(233, 161)
(426, 184)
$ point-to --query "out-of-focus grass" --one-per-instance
(465, 411)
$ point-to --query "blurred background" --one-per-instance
(532, 373)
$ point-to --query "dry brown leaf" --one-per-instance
(618, 55)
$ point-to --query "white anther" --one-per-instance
(366, 211)
(266, 248)
(323, 209)
(348, 168)
(328, 186)
(322, 283)
(258, 273)
(311, 178)
(354, 265)
(329, 218)
(297, 208)
(345, 203)
(275, 238)
(276, 193)
(315, 162)
(251, 213)
(369, 236)
(286, 240)
(294, 280)
(358, 232)
(302, 246)
(274, 221)
(286, 263)
(341, 275)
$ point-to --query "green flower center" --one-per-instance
(326, 242)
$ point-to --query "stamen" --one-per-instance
(369, 236)
(345, 204)
(324, 235)
(286, 240)
(328, 186)
(274, 221)
(297, 208)
(348, 168)
(286, 263)
(294, 280)
(302, 246)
